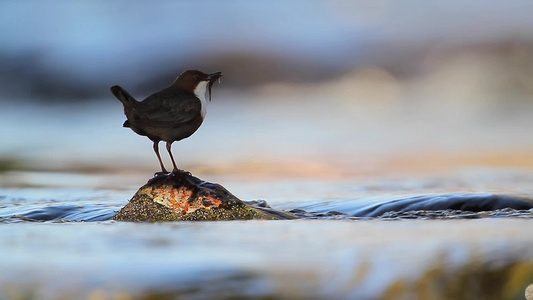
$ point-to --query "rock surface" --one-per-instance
(183, 197)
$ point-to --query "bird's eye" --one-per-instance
(197, 78)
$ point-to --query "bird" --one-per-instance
(172, 114)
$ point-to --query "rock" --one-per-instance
(183, 197)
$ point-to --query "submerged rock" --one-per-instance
(183, 197)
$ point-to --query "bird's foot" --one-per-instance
(156, 174)
(180, 172)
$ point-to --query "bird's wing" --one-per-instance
(168, 108)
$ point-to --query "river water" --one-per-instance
(58, 241)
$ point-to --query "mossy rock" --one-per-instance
(183, 197)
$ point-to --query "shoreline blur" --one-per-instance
(365, 89)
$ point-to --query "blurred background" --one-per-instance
(310, 88)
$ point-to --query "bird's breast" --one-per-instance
(201, 93)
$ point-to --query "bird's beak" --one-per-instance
(212, 78)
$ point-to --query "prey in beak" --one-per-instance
(213, 77)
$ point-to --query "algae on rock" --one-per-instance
(183, 197)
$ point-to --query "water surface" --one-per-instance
(59, 242)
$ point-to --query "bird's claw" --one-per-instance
(156, 174)
(180, 172)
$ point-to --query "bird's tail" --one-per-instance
(122, 95)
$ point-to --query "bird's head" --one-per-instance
(198, 82)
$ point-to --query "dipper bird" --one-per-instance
(172, 114)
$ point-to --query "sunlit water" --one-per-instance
(57, 241)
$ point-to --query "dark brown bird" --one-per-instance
(172, 114)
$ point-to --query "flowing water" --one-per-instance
(58, 242)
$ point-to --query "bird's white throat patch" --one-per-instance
(201, 92)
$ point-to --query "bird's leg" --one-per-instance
(176, 170)
(156, 149)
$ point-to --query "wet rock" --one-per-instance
(183, 197)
